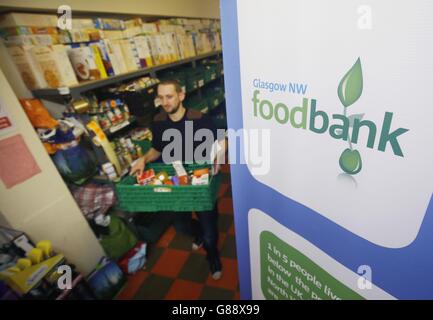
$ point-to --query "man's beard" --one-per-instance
(175, 109)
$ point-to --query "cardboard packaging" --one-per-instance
(56, 67)
(144, 51)
(16, 19)
(84, 64)
(29, 69)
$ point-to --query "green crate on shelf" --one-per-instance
(194, 79)
(214, 96)
(197, 104)
(210, 73)
(185, 198)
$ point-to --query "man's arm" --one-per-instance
(139, 164)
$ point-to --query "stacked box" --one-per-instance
(55, 65)
(105, 58)
(130, 54)
(16, 19)
(144, 51)
(84, 63)
(27, 66)
(115, 55)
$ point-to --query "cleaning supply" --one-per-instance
(46, 247)
(35, 255)
(24, 263)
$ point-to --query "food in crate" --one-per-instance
(145, 177)
(197, 177)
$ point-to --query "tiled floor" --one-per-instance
(174, 271)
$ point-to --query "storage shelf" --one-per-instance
(76, 90)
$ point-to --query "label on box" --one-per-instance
(162, 189)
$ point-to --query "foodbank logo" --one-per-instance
(349, 91)
(338, 126)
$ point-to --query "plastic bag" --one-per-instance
(38, 114)
(134, 259)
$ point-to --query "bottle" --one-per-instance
(118, 114)
(126, 113)
(139, 151)
(127, 156)
(111, 117)
(67, 98)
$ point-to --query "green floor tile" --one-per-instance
(154, 288)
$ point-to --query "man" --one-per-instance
(177, 121)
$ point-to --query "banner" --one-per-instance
(333, 181)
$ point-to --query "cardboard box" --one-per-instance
(114, 51)
(108, 24)
(16, 19)
(105, 58)
(136, 22)
(84, 64)
(55, 65)
(33, 39)
(27, 66)
(149, 28)
(144, 52)
(98, 60)
(15, 31)
(112, 34)
(132, 32)
(82, 24)
(130, 54)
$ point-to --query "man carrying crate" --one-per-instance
(181, 124)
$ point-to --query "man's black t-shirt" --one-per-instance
(184, 140)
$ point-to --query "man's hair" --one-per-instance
(173, 82)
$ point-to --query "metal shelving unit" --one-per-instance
(77, 90)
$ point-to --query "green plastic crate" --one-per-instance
(210, 73)
(186, 198)
(214, 96)
(194, 79)
(197, 104)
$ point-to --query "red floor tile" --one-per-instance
(223, 189)
(170, 263)
(166, 238)
(229, 279)
(232, 229)
(225, 205)
(225, 168)
(134, 283)
(184, 290)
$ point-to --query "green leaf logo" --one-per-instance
(350, 87)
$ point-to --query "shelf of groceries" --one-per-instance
(99, 52)
(77, 89)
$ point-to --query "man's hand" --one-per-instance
(138, 167)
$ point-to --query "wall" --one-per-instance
(43, 206)
(184, 8)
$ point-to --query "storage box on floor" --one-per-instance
(31, 271)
